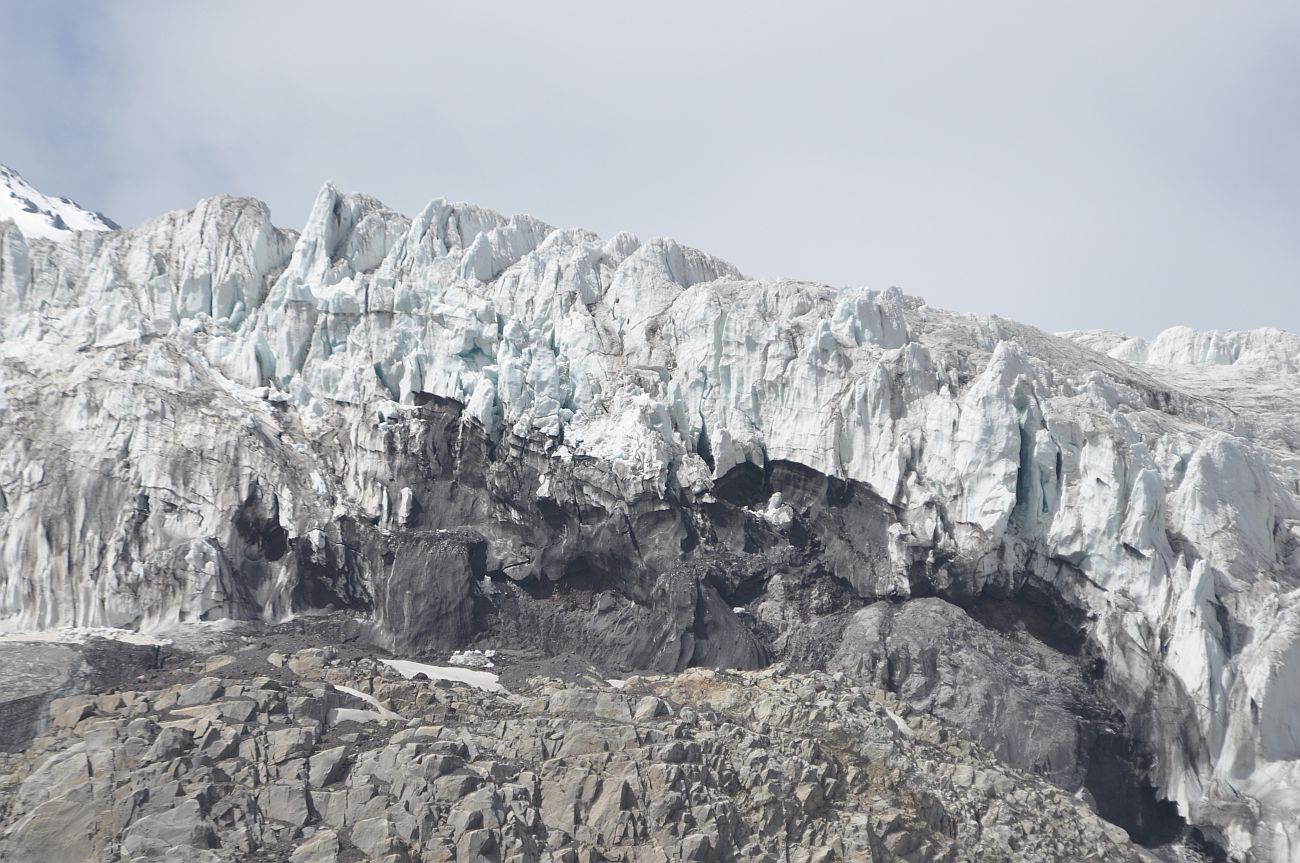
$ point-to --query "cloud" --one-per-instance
(1128, 166)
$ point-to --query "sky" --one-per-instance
(1118, 165)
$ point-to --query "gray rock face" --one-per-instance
(34, 675)
(181, 827)
(683, 622)
(30, 676)
(1036, 707)
(1018, 698)
(425, 599)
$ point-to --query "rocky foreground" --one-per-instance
(329, 754)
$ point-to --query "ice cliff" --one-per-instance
(209, 416)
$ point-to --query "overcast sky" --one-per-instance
(1109, 164)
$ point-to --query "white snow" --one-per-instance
(778, 513)
(39, 216)
(485, 680)
(345, 714)
(473, 658)
(899, 722)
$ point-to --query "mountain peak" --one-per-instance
(40, 216)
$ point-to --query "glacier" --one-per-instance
(208, 416)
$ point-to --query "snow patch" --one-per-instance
(346, 714)
(484, 680)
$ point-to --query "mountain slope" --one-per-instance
(477, 427)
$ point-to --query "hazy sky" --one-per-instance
(1109, 164)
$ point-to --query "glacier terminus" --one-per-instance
(1077, 553)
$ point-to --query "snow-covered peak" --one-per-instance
(40, 216)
